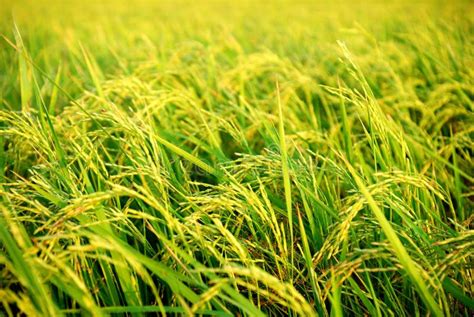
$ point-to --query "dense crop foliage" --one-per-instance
(248, 158)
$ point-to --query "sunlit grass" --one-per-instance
(272, 158)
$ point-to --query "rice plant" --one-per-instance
(244, 158)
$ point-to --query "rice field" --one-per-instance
(240, 158)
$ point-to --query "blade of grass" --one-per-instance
(405, 260)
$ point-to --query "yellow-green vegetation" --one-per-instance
(243, 158)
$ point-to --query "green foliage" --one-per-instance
(253, 158)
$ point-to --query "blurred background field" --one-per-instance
(236, 158)
(122, 35)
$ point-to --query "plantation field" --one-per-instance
(239, 158)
